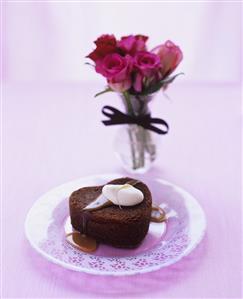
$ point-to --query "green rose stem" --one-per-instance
(150, 146)
(137, 136)
(128, 102)
(131, 112)
(143, 142)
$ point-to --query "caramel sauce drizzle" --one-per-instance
(157, 215)
(81, 241)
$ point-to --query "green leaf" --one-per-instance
(160, 84)
(128, 102)
(108, 89)
(87, 63)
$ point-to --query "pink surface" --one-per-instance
(52, 134)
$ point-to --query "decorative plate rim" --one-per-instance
(191, 246)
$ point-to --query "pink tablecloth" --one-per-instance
(52, 134)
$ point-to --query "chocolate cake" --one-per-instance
(118, 226)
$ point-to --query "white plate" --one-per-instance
(164, 244)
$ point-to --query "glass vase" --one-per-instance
(136, 146)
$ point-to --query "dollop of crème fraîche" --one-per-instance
(123, 195)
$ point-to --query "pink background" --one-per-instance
(48, 41)
(52, 134)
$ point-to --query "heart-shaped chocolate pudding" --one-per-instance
(114, 224)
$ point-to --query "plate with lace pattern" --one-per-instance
(165, 243)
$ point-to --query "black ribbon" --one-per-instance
(117, 117)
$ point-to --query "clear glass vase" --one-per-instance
(134, 145)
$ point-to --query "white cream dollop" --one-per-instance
(123, 195)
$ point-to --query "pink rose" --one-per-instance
(117, 70)
(131, 44)
(148, 66)
(120, 86)
(105, 44)
(147, 63)
(170, 56)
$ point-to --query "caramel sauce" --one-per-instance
(85, 219)
(157, 215)
(133, 182)
(81, 242)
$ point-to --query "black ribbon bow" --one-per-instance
(117, 117)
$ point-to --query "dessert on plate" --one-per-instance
(117, 213)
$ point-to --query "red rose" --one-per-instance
(105, 44)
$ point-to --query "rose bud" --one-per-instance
(170, 56)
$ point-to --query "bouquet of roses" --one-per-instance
(136, 74)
